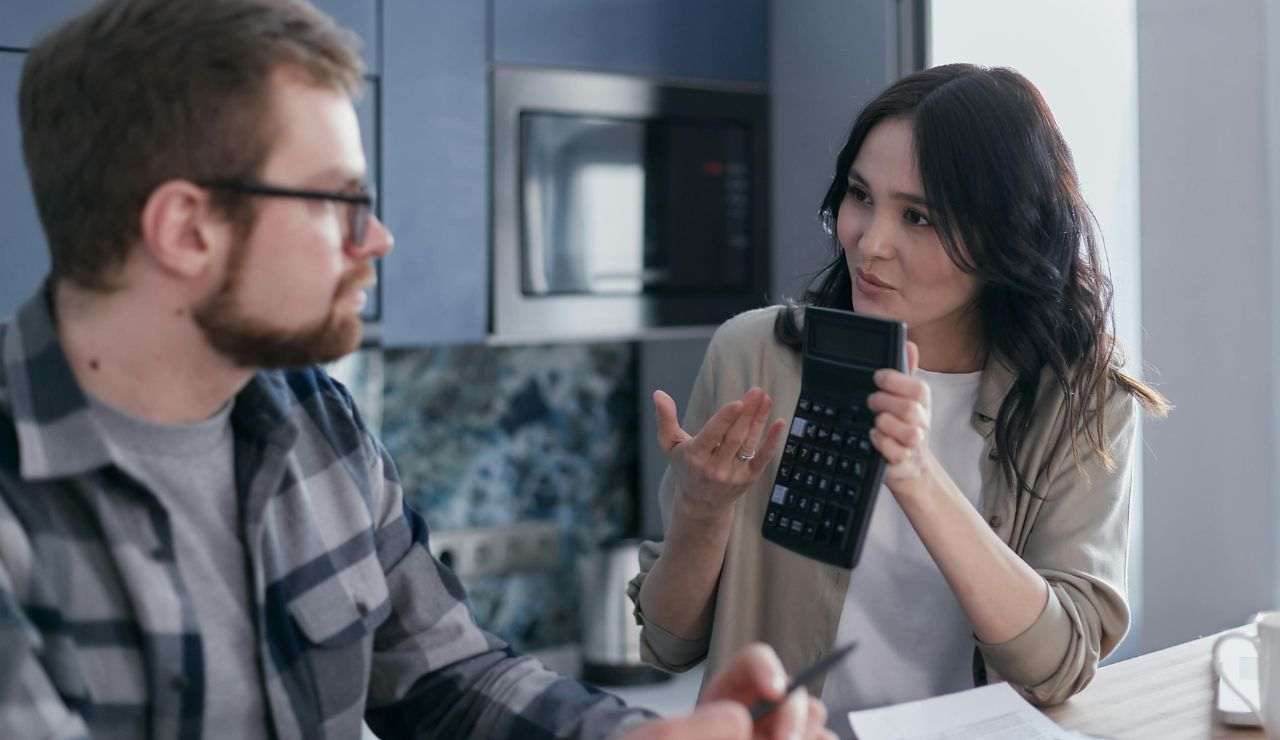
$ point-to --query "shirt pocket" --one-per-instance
(333, 614)
(337, 619)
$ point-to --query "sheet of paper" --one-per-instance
(994, 712)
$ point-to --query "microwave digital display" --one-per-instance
(634, 206)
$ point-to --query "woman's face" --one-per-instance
(899, 267)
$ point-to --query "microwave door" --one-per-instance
(584, 187)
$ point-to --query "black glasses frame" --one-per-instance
(357, 216)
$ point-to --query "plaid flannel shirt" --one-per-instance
(355, 619)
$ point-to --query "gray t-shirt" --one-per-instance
(190, 469)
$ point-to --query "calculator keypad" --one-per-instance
(826, 479)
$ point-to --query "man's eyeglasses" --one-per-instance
(358, 213)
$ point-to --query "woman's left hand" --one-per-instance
(901, 432)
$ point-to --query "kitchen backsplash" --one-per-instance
(488, 436)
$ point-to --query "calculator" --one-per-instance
(830, 474)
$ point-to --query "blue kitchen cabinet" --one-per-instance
(360, 16)
(712, 39)
(367, 107)
(22, 22)
(434, 129)
(24, 258)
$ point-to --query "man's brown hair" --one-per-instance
(133, 93)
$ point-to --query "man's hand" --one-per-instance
(756, 673)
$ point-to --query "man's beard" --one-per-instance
(250, 343)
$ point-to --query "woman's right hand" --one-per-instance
(715, 467)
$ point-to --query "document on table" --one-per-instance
(994, 712)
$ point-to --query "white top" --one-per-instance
(914, 640)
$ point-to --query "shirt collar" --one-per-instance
(57, 434)
(997, 381)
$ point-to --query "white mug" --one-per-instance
(1267, 645)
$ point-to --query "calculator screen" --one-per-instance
(848, 344)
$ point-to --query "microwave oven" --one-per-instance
(625, 206)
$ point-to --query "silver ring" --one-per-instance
(748, 457)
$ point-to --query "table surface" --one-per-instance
(1167, 694)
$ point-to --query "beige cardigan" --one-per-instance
(1075, 535)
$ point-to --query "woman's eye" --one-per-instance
(858, 194)
(916, 218)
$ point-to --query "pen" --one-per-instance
(763, 707)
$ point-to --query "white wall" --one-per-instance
(1211, 275)
(1094, 97)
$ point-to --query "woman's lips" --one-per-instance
(869, 283)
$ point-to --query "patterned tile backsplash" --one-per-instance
(488, 436)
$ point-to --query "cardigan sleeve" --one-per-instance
(729, 368)
(658, 646)
(1079, 544)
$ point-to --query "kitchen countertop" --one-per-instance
(668, 698)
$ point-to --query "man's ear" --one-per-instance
(181, 232)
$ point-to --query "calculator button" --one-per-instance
(816, 409)
(797, 427)
(825, 529)
(824, 484)
(803, 404)
(823, 434)
(771, 516)
(790, 501)
(790, 449)
(864, 445)
(804, 503)
(859, 469)
(810, 431)
(797, 526)
(830, 460)
(810, 479)
(837, 488)
(837, 438)
(779, 495)
(804, 453)
(846, 465)
(816, 508)
(784, 472)
(809, 532)
(784, 522)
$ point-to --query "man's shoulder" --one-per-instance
(310, 392)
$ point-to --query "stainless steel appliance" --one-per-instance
(623, 204)
(610, 635)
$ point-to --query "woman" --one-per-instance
(956, 209)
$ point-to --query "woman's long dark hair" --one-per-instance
(1005, 200)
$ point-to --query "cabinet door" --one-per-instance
(828, 58)
(24, 254)
(435, 112)
(22, 22)
(367, 113)
(715, 39)
(360, 16)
